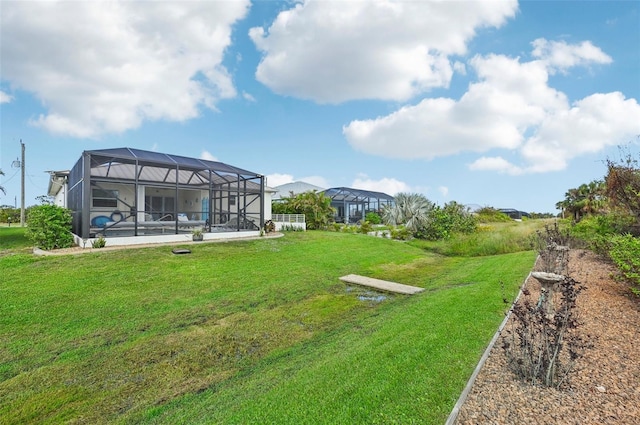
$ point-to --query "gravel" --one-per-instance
(605, 386)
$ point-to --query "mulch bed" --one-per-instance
(605, 386)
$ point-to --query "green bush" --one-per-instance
(625, 252)
(400, 233)
(315, 206)
(49, 227)
(366, 227)
(596, 231)
(100, 242)
(8, 214)
(491, 215)
(373, 218)
(443, 222)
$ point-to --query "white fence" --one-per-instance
(284, 221)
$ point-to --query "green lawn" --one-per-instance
(12, 239)
(245, 332)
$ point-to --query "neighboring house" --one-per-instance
(132, 192)
(352, 205)
(58, 187)
(295, 188)
(514, 214)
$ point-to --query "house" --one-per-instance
(352, 205)
(127, 192)
(514, 214)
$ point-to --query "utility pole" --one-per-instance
(15, 164)
(22, 187)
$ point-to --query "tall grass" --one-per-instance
(489, 239)
(245, 332)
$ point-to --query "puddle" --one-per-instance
(364, 295)
(373, 298)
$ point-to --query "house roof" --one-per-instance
(127, 164)
(355, 195)
(164, 158)
(56, 181)
(284, 190)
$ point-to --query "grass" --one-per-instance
(490, 239)
(12, 239)
(245, 332)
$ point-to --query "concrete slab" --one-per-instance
(382, 285)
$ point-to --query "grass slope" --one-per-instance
(243, 332)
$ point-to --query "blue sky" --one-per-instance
(496, 103)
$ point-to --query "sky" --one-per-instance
(493, 103)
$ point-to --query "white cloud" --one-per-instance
(334, 51)
(276, 179)
(560, 55)
(496, 163)
(460, 68)
(208, 156)
(387, 185)
(105, 67)
(5, 98)
(512, 107)
(248, 97)
(444, 190)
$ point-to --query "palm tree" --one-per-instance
(593, 196)
(587, 199)
(410, 209)
(316, 207)
(573, 202)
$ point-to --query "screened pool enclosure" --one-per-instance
(132, 192)
(352, 205)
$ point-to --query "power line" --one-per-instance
(9, 179)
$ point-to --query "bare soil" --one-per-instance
(605, 386)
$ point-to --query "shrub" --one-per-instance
(101, 242)
(315, 206)
(49, 227)
(373, 218)
(552, 244)
(596, 231)
(9, 214)
(366, 227)
(623, 183)
(410, 210)
(625, 252)
(443, 222)
(543, 348)
(291, 228)
(491, 215)
(400, 233)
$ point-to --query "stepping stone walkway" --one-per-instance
(382, 285)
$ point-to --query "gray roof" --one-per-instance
(284, 190)
(351, 194)
(150, 157)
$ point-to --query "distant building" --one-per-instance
(294, 188)
(514, 214)
(352, 205)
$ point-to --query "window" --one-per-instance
(102, 198)
(232, 199)
(160, 207)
